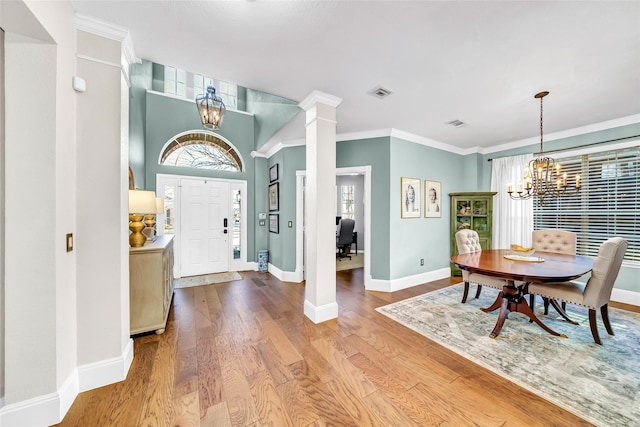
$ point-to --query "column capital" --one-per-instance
(316, 97)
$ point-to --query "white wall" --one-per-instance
(2, 207)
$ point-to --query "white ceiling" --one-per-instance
(479, 62)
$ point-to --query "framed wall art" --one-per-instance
(273, 197)
(432, 199)
(274, 223)
(273, 173)
(409, 198)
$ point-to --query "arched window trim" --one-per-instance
(210, 139)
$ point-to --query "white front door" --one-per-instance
(205, 212)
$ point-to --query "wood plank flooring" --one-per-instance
(243, 354)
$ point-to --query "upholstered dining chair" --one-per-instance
(552, 240)
(468, 241)
(595, 294)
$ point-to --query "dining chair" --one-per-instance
(595, 294)
(467, 241)
(552, 240)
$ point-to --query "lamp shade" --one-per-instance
(159, 205)
(142, 202)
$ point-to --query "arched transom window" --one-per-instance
(201, 150)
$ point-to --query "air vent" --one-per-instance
(456, 123)
(380, 92)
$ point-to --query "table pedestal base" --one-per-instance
(511, 299)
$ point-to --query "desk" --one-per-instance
(555, 268)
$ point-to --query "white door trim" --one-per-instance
(361, 170)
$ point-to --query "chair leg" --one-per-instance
(546, 305)
(465, 292)
(594, 326)
(532, 301)
(478, 291)
(604, 311)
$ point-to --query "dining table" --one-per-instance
(519, 271)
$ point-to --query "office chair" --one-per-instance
(345, 237)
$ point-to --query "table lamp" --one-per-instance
(141, 202)
(150, 221)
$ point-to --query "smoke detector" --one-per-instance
(380, 92)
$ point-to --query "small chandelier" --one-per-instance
(211, 108)
(543, 177)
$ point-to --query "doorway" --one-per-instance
(208, 218)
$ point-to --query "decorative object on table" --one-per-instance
(596, 293)
(521, 250)
(274, 197)
(462, 216)
(432, 199)
(274, 223)
(210, 108)
(523, 258)
(150, 221)
(141, 202)
(273, 173)
(597, 383)
(409, 198)
(543, 177)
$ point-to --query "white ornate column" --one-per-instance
(320, 206)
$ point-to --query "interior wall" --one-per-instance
(1, 215)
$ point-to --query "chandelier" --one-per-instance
(211, 108)
(543, 177)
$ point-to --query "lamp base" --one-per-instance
(136, 238)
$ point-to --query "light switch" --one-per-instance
(69, 242)
(290, 224)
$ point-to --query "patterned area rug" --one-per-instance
(600, 384)
(206, 279)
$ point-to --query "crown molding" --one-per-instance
(319, 97)
(109, 31)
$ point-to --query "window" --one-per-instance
(201, 150)
(236, 228)
(175, 81)
(347, 201)
(607, 205)
(225, 90)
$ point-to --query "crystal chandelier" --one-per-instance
(211, 108)
(543, 177)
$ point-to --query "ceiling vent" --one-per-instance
(380, 92)
(456, 123)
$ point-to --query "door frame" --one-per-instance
(234, 184)
(359, 170)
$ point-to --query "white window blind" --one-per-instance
(608, 204)
(347, 201)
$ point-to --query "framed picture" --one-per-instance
(273, 197)
(409, 198)
(273, 173)
(432, 199)
(274, 223)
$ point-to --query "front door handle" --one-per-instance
(224, 223)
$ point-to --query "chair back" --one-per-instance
(551, 240)
(345, 231)
(605, 270)
(467, 241)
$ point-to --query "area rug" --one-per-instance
(599, 383)
(206, 279)
(356, 261)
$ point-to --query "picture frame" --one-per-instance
(274, 197)
(274, 223)
(432, 199)
(273, 173)
(410, 193)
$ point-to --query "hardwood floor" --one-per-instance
(243, 354)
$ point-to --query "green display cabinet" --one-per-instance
(474, 211)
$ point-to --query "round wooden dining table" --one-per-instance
(518, 273)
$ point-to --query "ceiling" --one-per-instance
(478, 62)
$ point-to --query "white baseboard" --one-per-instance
(406, 282)
(284, 276)
(322, 313)
(626, 297)
(51, 408)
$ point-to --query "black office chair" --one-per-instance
(345, 237)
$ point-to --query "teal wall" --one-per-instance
(141, 77)
(167, 117)
(412, 239)
(271, 113)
